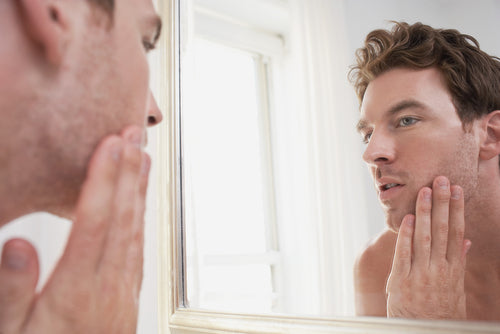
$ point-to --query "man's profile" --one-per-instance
(430, 118)
(74, 104)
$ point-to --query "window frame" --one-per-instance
(173, 317)
(204, 22)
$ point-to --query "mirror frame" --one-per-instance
(173, 318)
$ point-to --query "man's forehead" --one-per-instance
(397, 89)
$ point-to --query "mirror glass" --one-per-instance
(277, 202)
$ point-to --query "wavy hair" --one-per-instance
(472, 76)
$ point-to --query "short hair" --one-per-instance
(472, 76)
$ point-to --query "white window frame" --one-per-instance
(220, 25)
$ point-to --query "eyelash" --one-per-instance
(148, 46)
(413, 120)
(366, 138)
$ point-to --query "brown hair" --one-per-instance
(472, 76)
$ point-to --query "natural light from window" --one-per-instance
(226, 183)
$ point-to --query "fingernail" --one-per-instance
(135, 137)
(410, 221)
(427, 194)
(456, 192)
(14, 259)
(443, 183)
(115, 151)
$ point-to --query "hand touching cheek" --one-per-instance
(427, 277)
(95, 286)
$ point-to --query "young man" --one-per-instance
(430, 117)
(74, 103)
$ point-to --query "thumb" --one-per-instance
(18, 279)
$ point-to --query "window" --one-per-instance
(233, 254)
(232, 251)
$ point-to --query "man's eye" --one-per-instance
(148, 46)
(366, 137)
(407, 121)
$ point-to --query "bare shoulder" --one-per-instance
(371, 271)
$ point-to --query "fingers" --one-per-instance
(440, 225)
(93, 210)
(422, 237)
(18, 279)
(457, 226)
(126, 231)
(136, 249)
(108, 206)
(432, 285)
(401, 265)
(440, 217)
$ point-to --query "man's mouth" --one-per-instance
(388, 186)
(389, 191)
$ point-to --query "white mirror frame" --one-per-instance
(175, 319)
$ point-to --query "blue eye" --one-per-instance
(366, 138)
(407, 121)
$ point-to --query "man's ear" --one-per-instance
(47, 25)
(490, 140)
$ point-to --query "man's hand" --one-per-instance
(95, 286)
(427, 277)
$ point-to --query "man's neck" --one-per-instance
(482, 222)
(13, 199)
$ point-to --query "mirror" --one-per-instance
(276, 201)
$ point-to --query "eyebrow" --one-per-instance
(397, 108)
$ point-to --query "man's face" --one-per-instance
(106, 86)
(123, 58)
(413, 134)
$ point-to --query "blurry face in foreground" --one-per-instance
(107, 89)
(123, 59)
(413, 134)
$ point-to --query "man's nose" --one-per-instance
(154, 113)
(380, 149)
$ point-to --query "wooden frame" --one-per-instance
(173, 317)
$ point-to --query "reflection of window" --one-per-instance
(270, 158)
(233, 258)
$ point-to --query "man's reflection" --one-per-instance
(430, 117)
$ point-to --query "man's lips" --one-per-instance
(388, 186)
(389, 191)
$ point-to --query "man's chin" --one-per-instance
(65, 208)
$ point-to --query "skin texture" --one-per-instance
(74, 105)
(444, 204)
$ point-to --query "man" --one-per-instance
(430, 117)
(74, 102)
